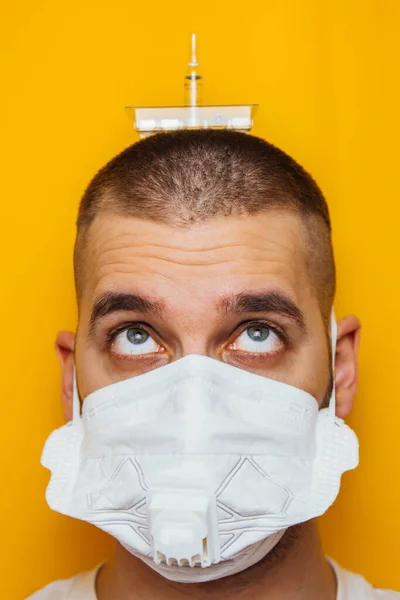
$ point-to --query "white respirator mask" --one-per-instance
(198, 467)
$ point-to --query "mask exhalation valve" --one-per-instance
(184, 528)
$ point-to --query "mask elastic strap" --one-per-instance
(76, 405)
(332, 401)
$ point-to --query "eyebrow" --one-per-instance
(112, 302)
(261, 303)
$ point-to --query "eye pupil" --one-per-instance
(258, 333)
(137, 336)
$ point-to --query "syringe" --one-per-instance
(194, 114)
(193, 80)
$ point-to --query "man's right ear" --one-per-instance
(65, 352)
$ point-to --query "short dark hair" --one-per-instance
(184, 177)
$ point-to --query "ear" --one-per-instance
(346, 364)
(65, 351)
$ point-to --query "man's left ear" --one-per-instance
(346, 364)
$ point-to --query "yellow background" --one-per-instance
(326, 76)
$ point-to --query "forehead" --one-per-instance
(201, 262)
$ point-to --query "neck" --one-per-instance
(295, 570)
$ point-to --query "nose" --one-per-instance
(196, 346)
(196, 341)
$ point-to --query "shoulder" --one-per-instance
(80, 587)
(355, 587)
(58, 590)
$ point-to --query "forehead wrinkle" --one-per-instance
(265, 254)
(183, 248)
(190, 244)
(108, 275)
(198, 272)
(144, 251)
(124, 261)
(105, 241)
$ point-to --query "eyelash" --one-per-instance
(274, 328)
(111, 336)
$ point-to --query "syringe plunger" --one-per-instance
(193, 80)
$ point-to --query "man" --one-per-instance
(199, 438)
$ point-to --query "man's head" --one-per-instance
(188, 178)
(206, 242)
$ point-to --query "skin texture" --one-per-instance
(194, 274)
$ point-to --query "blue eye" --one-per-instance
(258, 334)
(258, 338)
(134, 341)
(137, 336)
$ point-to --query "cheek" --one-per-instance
(313, 366)
(91, 370)
(317, 371)
(307, 369)
(97, 370)
(266, 366)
